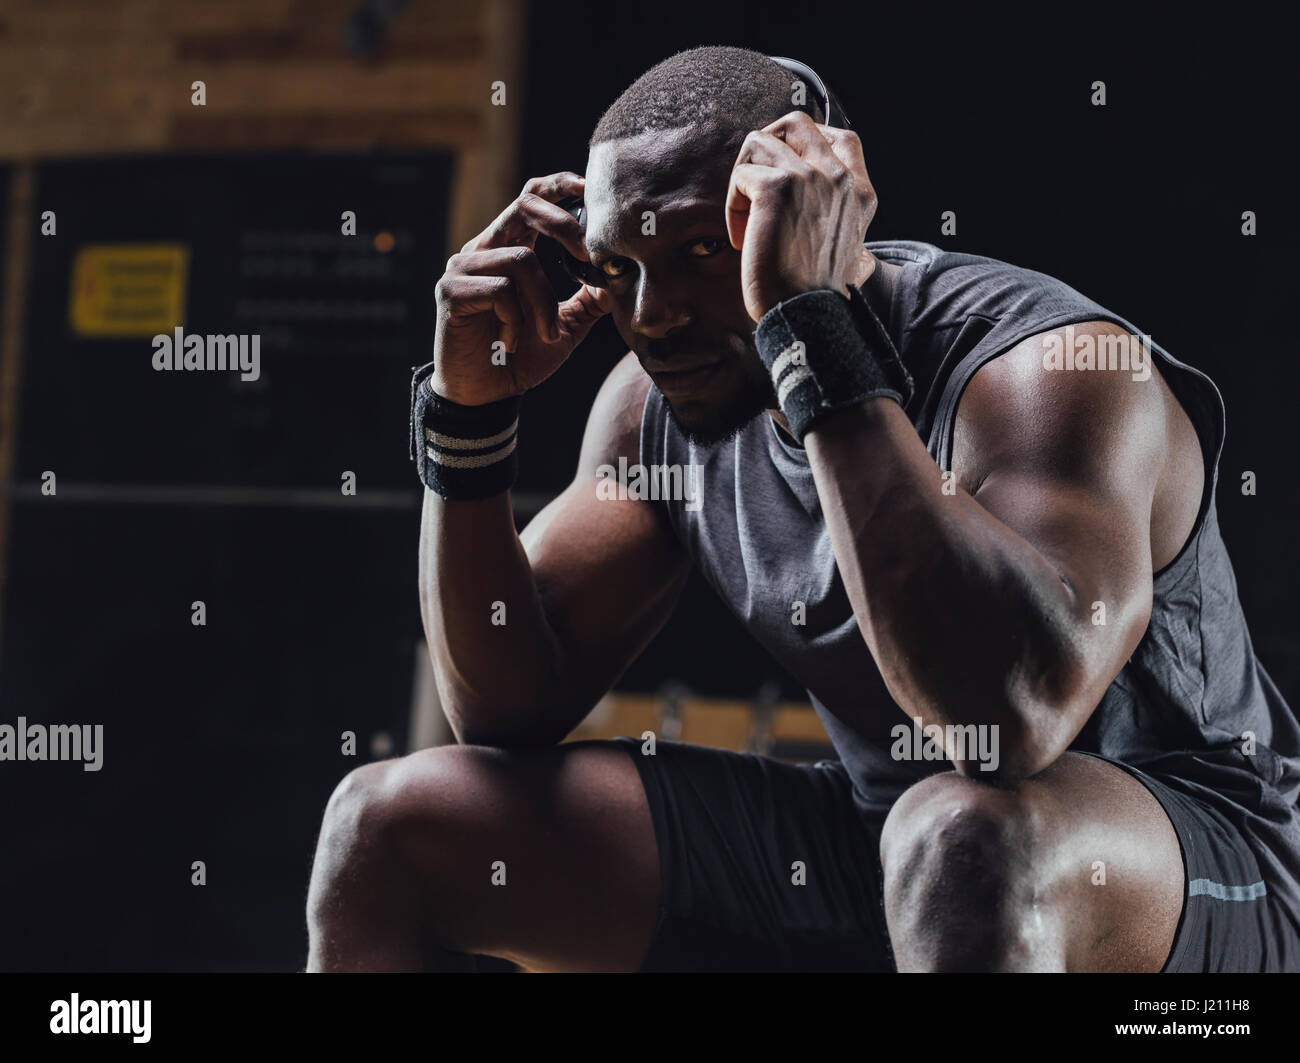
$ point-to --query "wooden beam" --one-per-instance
(449, 128)
(17, 256)
(497, 179)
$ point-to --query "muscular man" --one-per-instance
(994, 538)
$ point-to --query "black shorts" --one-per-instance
(767, 866)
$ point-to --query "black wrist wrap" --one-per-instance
(462, 452)
(846, 356)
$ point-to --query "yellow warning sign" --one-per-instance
(128, 289)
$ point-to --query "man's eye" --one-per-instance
(708, 245)
(615, 267)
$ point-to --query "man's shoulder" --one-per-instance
(614, 423)
(947, 287)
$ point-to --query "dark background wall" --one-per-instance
(224, 740)
(985, 110)
(221, 741)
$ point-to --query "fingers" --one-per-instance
(768, 149)
(749, 181)
(796, 143)
(808, 140)
(848, 149)
(535, 211)
(526, 285)
(580, 311)
(557, 185)
(462, 296)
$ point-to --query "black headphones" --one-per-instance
(831, 110)
(554, 252)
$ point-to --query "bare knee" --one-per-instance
(949, 830)
(376, 855)
(353, 814)
(351, 841)
(960, 878)
(381, 807)
(948, 813)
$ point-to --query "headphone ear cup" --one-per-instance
(582, 272)
(557, 260)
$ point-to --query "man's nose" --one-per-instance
(660, 307)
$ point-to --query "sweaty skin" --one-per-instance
(1070, 488)
(977, 612)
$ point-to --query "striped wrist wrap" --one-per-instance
(462, 452)
(825, 352)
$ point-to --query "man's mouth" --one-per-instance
(681, 365)
(680, 380)
(684, 370)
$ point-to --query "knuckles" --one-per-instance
(782, 183)
(537, 185)
(790, 118)
(514, 257)
(448, 288)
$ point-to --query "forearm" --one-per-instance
(495, 658)
(968, 622)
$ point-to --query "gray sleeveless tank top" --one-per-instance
(1181, 704)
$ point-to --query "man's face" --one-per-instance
(674, 280)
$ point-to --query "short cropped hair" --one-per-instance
(730, 91)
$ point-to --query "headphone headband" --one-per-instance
(832, 113)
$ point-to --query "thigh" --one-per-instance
(543, 857)
(1232, 921)
(764, 866)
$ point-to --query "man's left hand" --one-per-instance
(798, 205)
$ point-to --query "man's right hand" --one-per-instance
(495, 290)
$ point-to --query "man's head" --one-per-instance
(657, 176)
